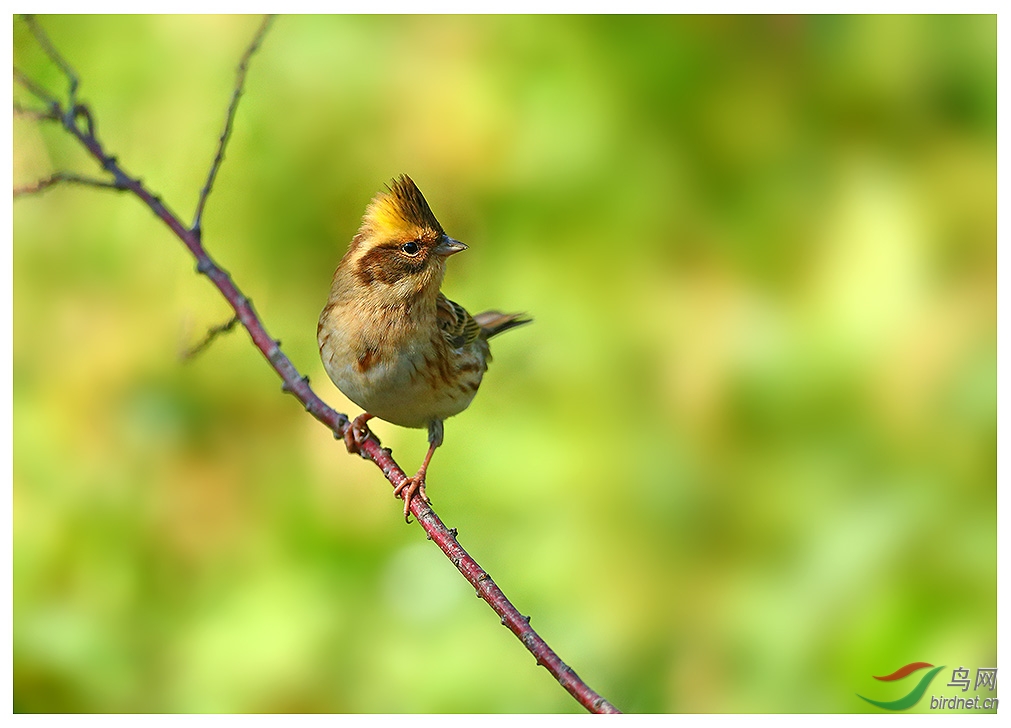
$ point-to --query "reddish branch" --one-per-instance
(70, 116)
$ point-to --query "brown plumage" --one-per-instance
(389, 339)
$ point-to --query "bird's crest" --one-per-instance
(402, 209)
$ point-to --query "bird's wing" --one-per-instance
(458, 326)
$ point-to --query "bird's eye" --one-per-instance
(411, 248)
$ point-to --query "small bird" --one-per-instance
(390, 340)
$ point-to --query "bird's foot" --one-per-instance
(413, 486)
(357, 433)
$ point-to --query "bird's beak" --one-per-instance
(448, 246)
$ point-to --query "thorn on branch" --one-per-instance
(453, 532)
(211, 336)
(290, 388)
(276, 357)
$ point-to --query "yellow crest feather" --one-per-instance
(402, 210)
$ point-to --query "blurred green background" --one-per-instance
(744, 460)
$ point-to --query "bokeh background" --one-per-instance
(744, 460)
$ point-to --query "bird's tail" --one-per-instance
(495, 322)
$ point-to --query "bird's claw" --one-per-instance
(413, 486)
(357, 433)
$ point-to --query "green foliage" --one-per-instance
(743, 460)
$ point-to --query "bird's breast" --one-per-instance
(400, 370)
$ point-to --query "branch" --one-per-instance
(70, 177)
(240, 82)
(36, 90)
(43, 40)
(36, 114)
(292, 381)
(214, 333)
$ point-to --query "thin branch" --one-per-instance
(54, 55)
(297, 385)
(240, 81)
(36, 114)
(68, 177)
(36, 90)
(214, 333)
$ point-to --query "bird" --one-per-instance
(390, 340)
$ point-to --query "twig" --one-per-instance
(54, 55)
(36, 114)
(240, 82)
(298, 385)
(57, 177)
(214, 333)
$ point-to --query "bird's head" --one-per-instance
(400, 249)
